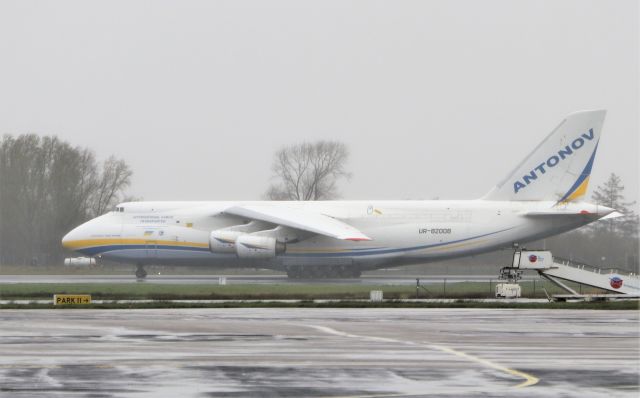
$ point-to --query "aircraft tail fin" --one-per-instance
(559, 167)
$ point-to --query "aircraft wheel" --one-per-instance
(141, 273)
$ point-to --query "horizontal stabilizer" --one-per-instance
(558, 213)
(615, 214)
(573, 210)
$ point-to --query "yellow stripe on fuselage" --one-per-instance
(443, 247)
(99, 242)
(86, 243)
(450, 246)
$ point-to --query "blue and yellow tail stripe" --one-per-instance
(579, 187)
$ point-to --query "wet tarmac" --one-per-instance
(249, 352)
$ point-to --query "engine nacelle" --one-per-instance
(251, 246)
(224, 241)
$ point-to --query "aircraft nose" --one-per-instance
(69, 239)
(84, 236)
(66, 241)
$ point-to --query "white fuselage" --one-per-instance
(537, 199)
(401, 232)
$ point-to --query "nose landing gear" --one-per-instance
(140, 272)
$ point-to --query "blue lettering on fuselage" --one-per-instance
(552, 161)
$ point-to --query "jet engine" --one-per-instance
(224, 241)
(258, 247)
(245, 245)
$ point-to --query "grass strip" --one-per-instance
(301, 291)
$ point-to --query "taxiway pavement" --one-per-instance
(298, 352)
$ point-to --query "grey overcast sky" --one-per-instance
(433, 98)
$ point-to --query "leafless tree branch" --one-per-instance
(308, 171)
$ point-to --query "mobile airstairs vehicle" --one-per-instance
(557, 271)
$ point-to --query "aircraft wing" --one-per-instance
(299, 219)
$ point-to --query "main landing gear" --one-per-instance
(140, 272)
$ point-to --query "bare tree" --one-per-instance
(308, 171)
(48, 187)
(115, 176)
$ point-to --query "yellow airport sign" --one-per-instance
(67, 299)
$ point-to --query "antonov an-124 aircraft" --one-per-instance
(538, 199)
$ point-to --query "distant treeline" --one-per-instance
(48, 187)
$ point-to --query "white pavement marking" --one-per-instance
(529, 380)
